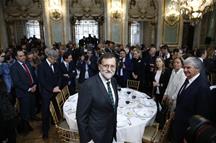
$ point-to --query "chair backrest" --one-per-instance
(65, 92)
(212, 78)
(133, 84)
(60, 102)
(165, 131)
(17, 106)
(67, 136)
(53, 113)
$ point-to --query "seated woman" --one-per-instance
(176, 80)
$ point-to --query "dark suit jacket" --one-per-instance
(193, 101)
(71, 72)
(127, 70)
(96, 117)
(92, 69)
(21, 80)
(48, 79)
(164, 79)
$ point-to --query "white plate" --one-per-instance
(144, 113)
(149, 103)
(129, 113)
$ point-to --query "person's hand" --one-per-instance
(91, 141)
(165, 98)
(88, 62)
(33, 88)
(155, 83)
(66, 75)
(82, 58)
(56, 89)
(134, 76)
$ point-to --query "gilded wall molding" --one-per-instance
(143, 10)
(22, 9)
(86, 9)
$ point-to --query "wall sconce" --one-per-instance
(116, 11)
(55, 10)
(116, 15)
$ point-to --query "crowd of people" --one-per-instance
(34, 74)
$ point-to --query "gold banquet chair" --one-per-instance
(150, 133)
(65, 135)
(133, 84)
(212, 78)
(60, 102)
(65, 92)
(162, 135)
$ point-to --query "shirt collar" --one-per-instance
(103, 79)
(193, 78)
(21, 63)
(65, 63)
(201, 59)
(48, 62)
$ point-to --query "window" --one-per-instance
(32, 28)
(84, 28)
(135, 33)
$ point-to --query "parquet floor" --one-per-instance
(35, 136)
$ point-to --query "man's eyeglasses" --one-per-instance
(109, 66)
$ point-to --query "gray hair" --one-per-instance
(51, 53)
(195, 62)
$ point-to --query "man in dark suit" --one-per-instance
(68, 72)
(97, 104)
(202, 55)
(124, 69)
(87, 66)
(24, 83)
(192, 99)
(50, 82)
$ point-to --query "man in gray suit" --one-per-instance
(97, 104)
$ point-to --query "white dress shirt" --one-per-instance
(105, 85)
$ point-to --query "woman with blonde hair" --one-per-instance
(138, 72)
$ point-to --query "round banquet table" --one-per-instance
(135, 112)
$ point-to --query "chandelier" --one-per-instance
(172, 13)
(191, 10)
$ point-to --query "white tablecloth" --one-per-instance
(132, 117)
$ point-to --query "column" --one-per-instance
(56, 22)
(116, 21)
(3, 30)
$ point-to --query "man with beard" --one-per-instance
(97, 104)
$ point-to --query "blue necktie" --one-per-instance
(110, 94)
